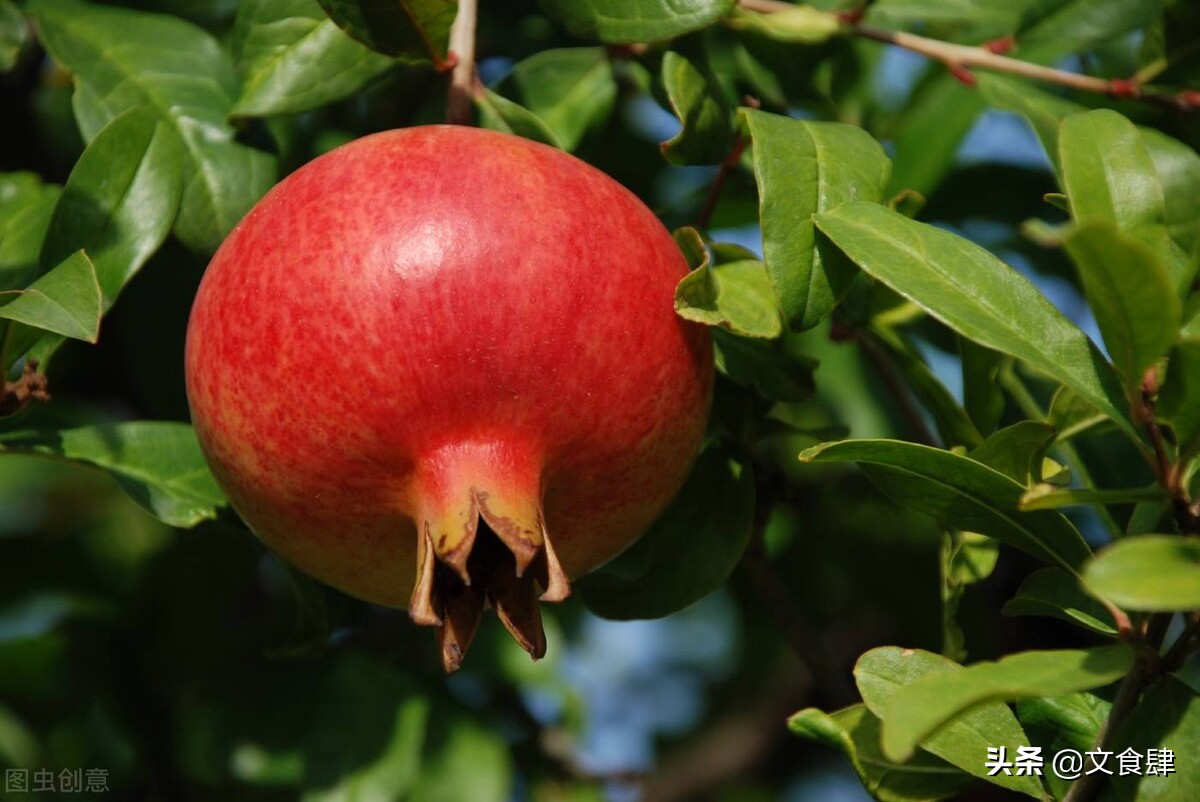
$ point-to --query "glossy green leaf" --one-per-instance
(66, 300)
(983, 399)
(26, 205)
(959, 492)
(1070, 721)
(410, 30)
(119, 201)
(293, 58)
(688, 553)
(159, 464)
(1110, 177)
(1049, 497)
(1159, 573)
(13, 34)
(1058, 594)
(123, 58)
(854, 731)
(803, 168)
(501, 114)
(1130, 292)
(884, 672)
(976, 294)
(737, 296)
(918, 710)
(1016, 451)
(571, 90)
(1178, 167)
(1166, 718)
(707, 133)
(1176, 164)
(952, 422)
(630, 21)
(1179, 398)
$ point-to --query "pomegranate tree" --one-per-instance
(439, 368)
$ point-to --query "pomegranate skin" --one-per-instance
(434, 325)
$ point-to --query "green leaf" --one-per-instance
(1179, 398)
(159, 464)
(1058, 594)
(854, 731)
(966, 558)
(970, 20)
(26, 205)
(928, 134)
(463, 760)
(1016, 451)
(883, 673)
(800, 24)
(688, 553)
(983, 399)
(293, 58)
(917, 711)
(1050, 29)
(1166, 717)
(1110, 177)
(1157, 573)
(1129, 291)
(119, 201)
(409, 30)
(707, 133)
(953, 424)
(571, 90)
(976, 295)
(1069, 414)
(123, 58)
(13, 34)
(1070, 721)
(737, 296)
(773, 368)
(959, 492)
(1049, 497)
(1178, 167)
(803, 168)
(630, 21)
(66, 301)
(501, 114)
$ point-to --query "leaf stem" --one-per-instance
(461, 92)
(960, 59)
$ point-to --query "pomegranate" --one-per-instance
(439, 368)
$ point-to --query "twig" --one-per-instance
(462, 79)
(919, 428)
(714, 191)
(960, 59)
(1089, 786)
(1169, 472)
(806, 641)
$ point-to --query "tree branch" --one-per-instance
(461, 92)
(960, 59)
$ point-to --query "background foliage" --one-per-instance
(948, 254)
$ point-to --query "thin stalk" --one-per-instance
(461, 92)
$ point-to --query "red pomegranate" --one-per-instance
(437, 326)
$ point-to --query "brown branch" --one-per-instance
(961, 59)
(461, 92)
(1169, 472)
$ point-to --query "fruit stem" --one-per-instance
(461, 92)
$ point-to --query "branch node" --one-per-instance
(1002, 45)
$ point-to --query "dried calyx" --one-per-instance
(495, 555)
